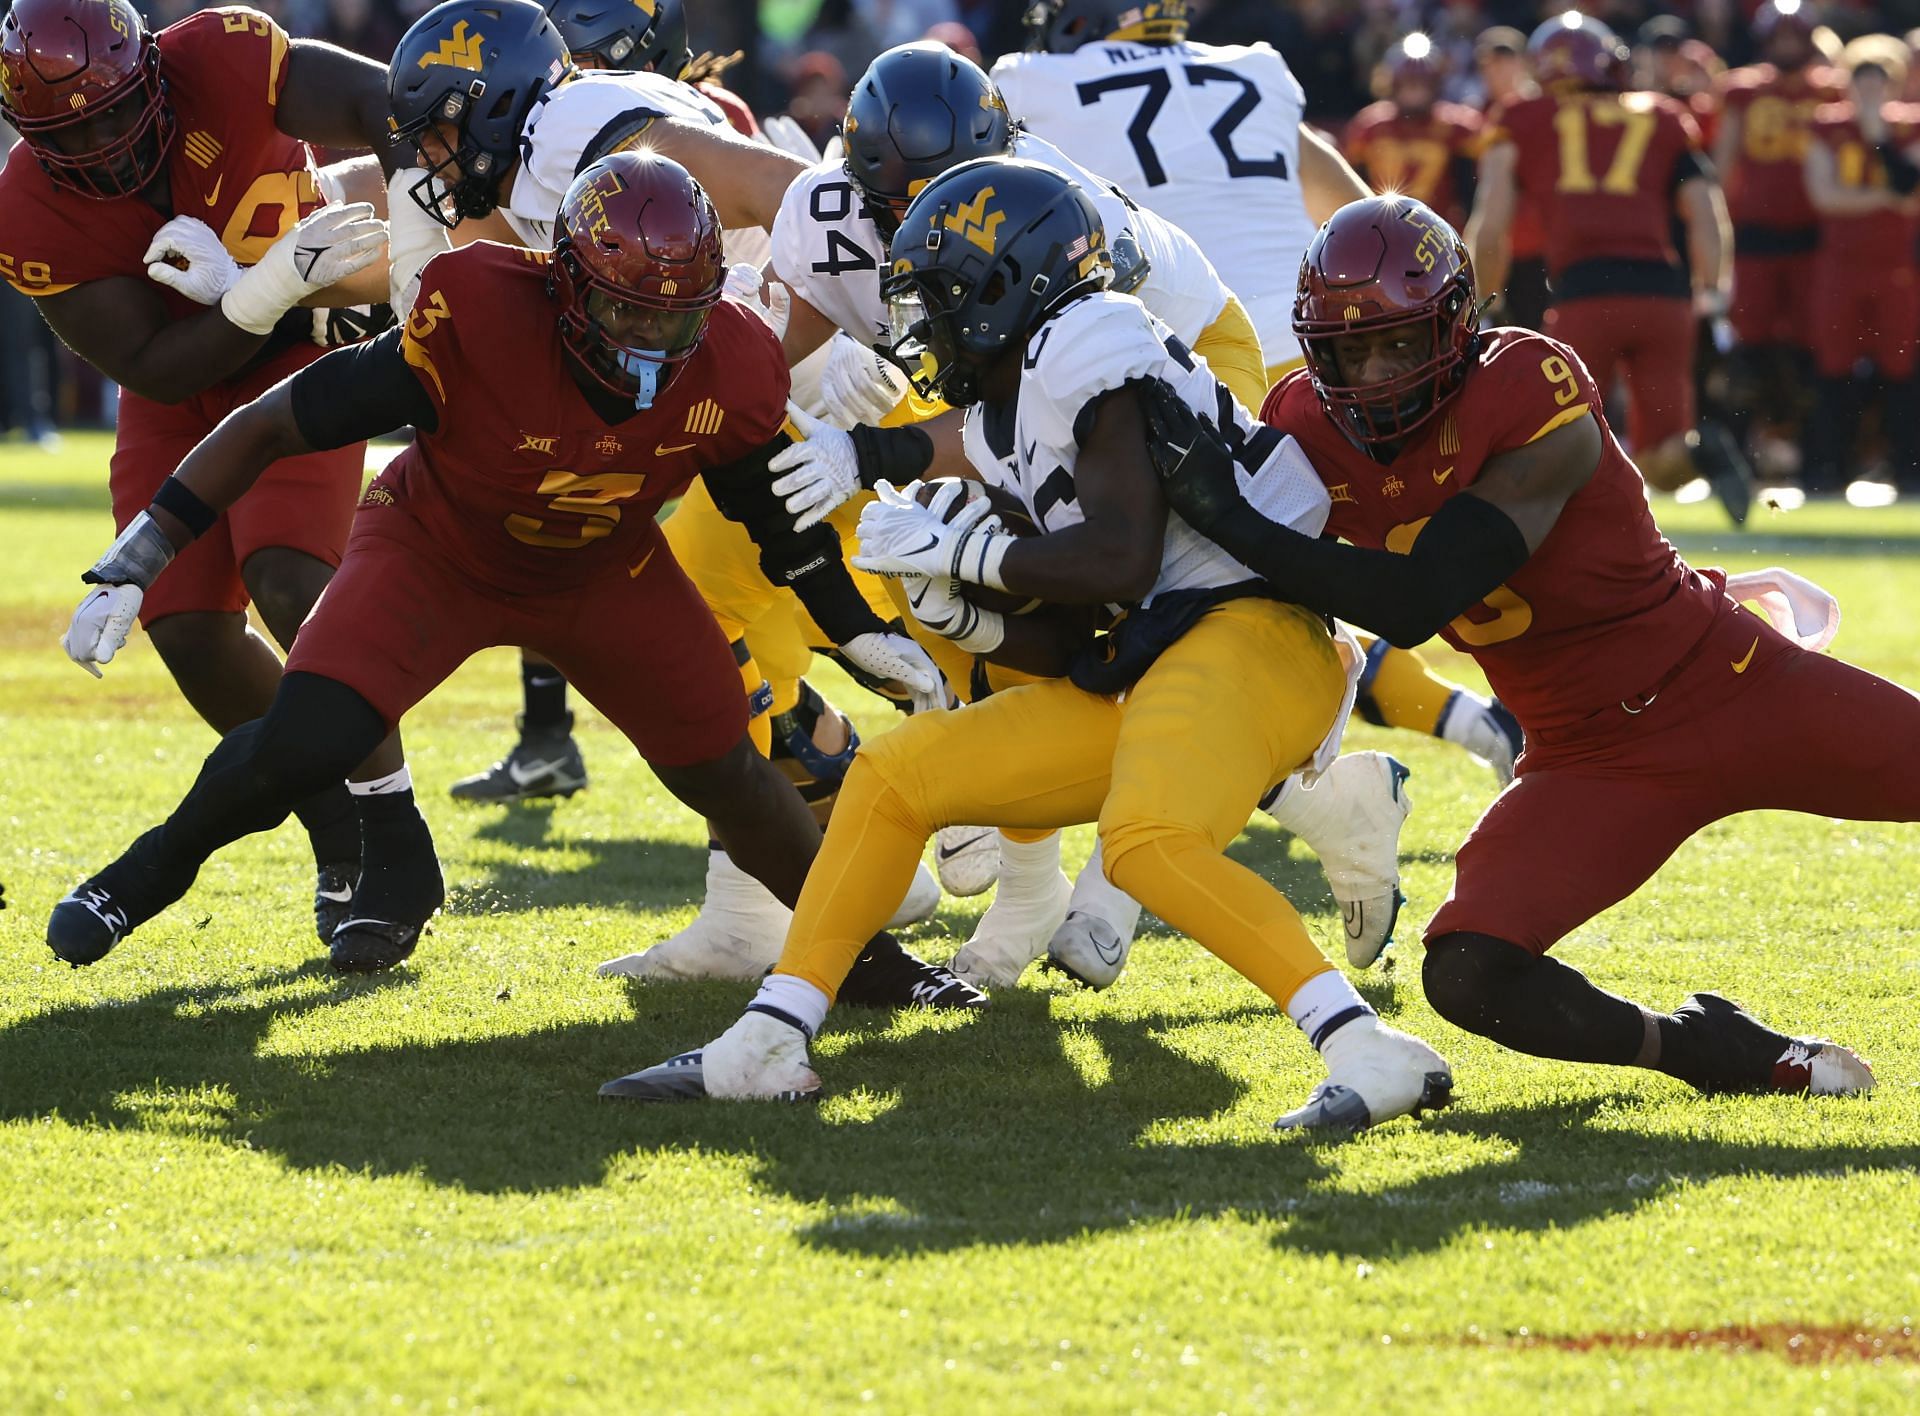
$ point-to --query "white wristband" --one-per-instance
(983, 560)
(263, 293)
(987, 633)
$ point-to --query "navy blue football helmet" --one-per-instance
(984, 255)
(648, 35)
(478, 66)
(917, 111)
(1062, 26)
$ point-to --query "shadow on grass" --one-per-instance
(989, 1130)
(622, 872)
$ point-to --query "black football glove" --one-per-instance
(1195, 465)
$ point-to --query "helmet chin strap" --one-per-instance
(646, 371)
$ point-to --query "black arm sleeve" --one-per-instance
(806, 562)
(1902, 175)
(1461, 556)
(360, 392)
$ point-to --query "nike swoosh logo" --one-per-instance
(305, 258)
(660, 450)
(214, 195)
(1440, 477)
(1740, 664)
(532, 771)
(339, 897)
(942, 853)
(634, 574)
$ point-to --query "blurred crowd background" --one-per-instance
(800, 57)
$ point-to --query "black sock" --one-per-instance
(399, 872)
(1530, 1002)
(544, 689)
(333, 826)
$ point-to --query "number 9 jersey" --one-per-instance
(1207, 136)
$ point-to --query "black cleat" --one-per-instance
(1742, 1054)
(86, 925)
(371, 945)
(542, 764)
(333, 897)
(887, 976)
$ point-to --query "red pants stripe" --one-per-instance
(1754, 722)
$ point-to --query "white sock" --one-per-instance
(390, 785)
(793, 997)
(1324, 1004)
(1028, 869)
(1459, 718)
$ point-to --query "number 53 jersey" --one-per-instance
(1205, 135)
(1601, 611)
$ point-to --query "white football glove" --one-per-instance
(769, 299)
(323, 249)
(857, 385)
(898, 536)
(897, 660)
(101, 624)
(936, 600)
(820, 473)
(185, 255)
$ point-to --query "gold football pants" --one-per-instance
(1171, 772)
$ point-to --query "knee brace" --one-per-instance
(816, 772)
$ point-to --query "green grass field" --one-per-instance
(232, 1181)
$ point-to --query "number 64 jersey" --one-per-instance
(1204, 135)
(827, 250)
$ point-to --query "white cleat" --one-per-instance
(1351, 819)
(1822, 1068)
(737, 935)
(1027, 908)
(759, 1058)
(1374, 1073)
(1486, 728)
(922, 899)
(968, 859)
(1093, 942)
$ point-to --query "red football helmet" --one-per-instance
(1386, 263)
(1573, 50)
(81, 81)
(637, 267)
(1411, 60)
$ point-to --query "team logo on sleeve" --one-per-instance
(459, 50)
(976, 221)
(704, 418)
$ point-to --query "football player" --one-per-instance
(1760, 152)
(1409, 141)
(1212, 137)
(1607, 169)
(998, 284)
(1485, 498)
(550, 393)
(1864, 314)
(164, 211)
(497, 171)
(919, 110)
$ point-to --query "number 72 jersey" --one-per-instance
(1207, 136)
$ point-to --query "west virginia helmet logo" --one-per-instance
(975, 222)
(459, 49)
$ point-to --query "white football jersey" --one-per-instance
(827, 250)
(1088, 349)
(1207, 135)
(593, 115)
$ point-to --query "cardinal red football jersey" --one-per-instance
(522, 483)
(1601, 611)
(1419, 155)
(1876, 244)
(230, 166)
(1767, 185)
(1602, 169)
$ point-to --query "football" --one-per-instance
(1012, 515)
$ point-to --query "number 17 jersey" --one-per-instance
(1207, 136)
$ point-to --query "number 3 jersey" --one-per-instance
(522, 483)
(827, 250)
(1601, 611)
(230, 166)
(1205, 135)
(1088, 350)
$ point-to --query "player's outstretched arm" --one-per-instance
(344, 398)
(1327, 181)
(746, 179)
(336, 99)
(1474, 542)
